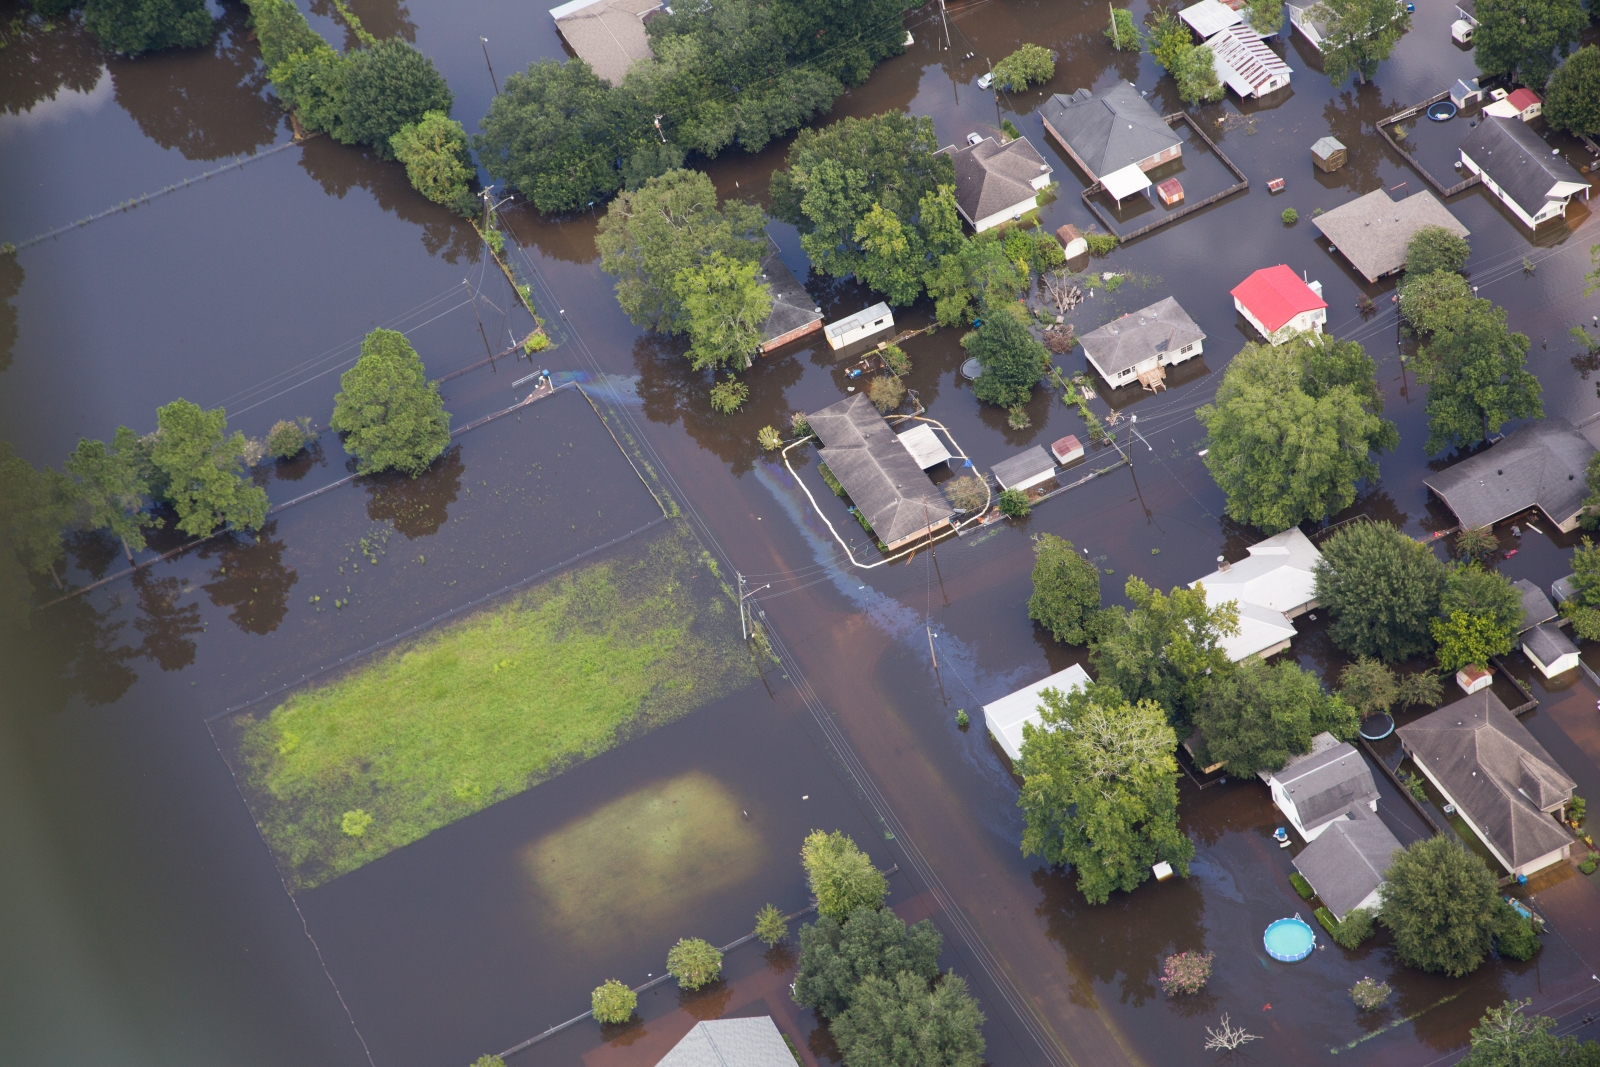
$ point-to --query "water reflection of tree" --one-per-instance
(416, 506)
(39, 64)
(1352, 118)
(166, 623)
(11, 278)
(1443, 1027)
(206, 104)
(381, 18)
(93, 551)
(339, 168)
(250, 579)
(75, 649)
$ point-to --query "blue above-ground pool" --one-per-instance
(1442, 111)
(1289, 940)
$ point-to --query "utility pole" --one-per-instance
(946, 22)
(487, 350)
(1133, 419)
(492, 79)
(743, 596)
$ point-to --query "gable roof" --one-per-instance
(1210, 17)
(1279, 576)
(1519, 161)
(882, 479)
(1325, 785)
(1275, 295)
(1348, 861)
(1536, 607)
(1523, 98)
(1022, 466)
(731, 1043)
(1006, 716)
(1494, 770)
(991, 177)
(608, 35)
(1160, 329)
(1548, 642)
(1244, 61)
(792, 306)
(1538, 465)
(1108, 130)
(1371, 231)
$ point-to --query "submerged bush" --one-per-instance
(886, 393)
(694, 963)
(355, 823)
(1185, 972)
(613, 1002)
(770, 926)
(1356, 928)
(1014, 502)
(1369, 994)
(967, 493)
(767, 437)
(286, 439)
(729, 396)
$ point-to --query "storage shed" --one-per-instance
(1025, 470)
(1073, 243)
(1067, 449)
(1328, 154)
(1550, 649)
(1170, 191)
(861, 324)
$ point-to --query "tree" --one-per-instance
(1169, 37)
(899, 1021)
(554, 133)
(1264, 16)
(35, 506)
(1517, 38)
(1166, 649)
(1369, 686)
(1586, 573)
(892, 258)
(694, 962)
(391, 416)
(202, 466)
(1477, 543)
(671, 224)
(840, 875)
(110, 487)
(1471, 589)
(1100, 789)
(387, 87)
(1419, 688)
(1467, 640)
(1123, 32)
(1572, 100)
(1066, 590)
(1430, 302)
(311, 84)
(1504, 1037)
(1196, 75)
(612, 1002)
(288, 439)
(133, 27)
(1257, 716)
(438, 162)
(727, 307)
(1439, 902)
(1383, 590)
(1360, 35)
(1434, 248)
(1473, 367)
(836, 957)
(1028, 66)
(1012, 361)
(1293, 428)
(1514, 935)
(974, 279)
(886, 393)
(770, 926)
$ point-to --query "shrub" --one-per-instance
(1589, 863)
(1416, 785)
(613, 1002)
(1356, 928)
(1014, 502)
(1329, 923)
(798, 423)
(963, 720)
(536, 342)
(1577, 809)
(487, 1060)
(438, 162)
(1123, 33)
(1476, 543)
(1370, 994)
(1029, 65)
(770, 926)
(694, 963)
(886, 393)
(1009, 128)
(1301, 886)
(898, 362)
(829, 480)
(1100, 244)
(729, 396)
(967, 492)
(1017, 418)
(767, 437)
(1185, 972)
(1290, 216)
(1514, 935)
(355, 823)
(286, 439)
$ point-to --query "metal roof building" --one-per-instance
(1279, 303)
(1210, 17)
(1541, 465)
(1026, 469)
(1372, 231)
(1276, 583)
(1245, 64)
(1006, 716)
(863, 323)
(878, 471)
(608, 35)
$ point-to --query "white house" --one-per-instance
(1275, 584)
(1348, 861)
(1007, 716)
(1245, 64)
(1210, 17)
(1518, 166)
(996, 182)
(750, 1042)
(1322, 787)
(1550, 649)
(1142, 344)
(861, 324)
(1523, 104)
(1279, 304)
(1314, 30)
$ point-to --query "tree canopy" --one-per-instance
(1474, 369)
(111, 486)
(133, 27)
(391, 416)
(1434, 248)
(1012, 360)
(900, 1021)
(1466, 640)
(835, 956)
(1196, 75)
(35, 505)
(1257, 716)
(1572, 100)
(202, 466)
(1028, 66)
(1505, 1037)
(438, 162)
(726, 306)
(1100, 789)
(977, 276)
(1520, 38)
(1429, 302)
(1293, 428)
(1439, 901)
(841, 876)
(387, 87)
(1476, 591)
(1360, 35)
(1066, 590)
(1382, 589)
(1166, 649)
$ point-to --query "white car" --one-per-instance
(985, 80)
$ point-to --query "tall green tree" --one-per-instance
(727, 306)
(438, 162)
(835, 957)
(1028, 66)
(35, 507)
(1369, 686)
(1264, 16)
(391, 416)
(1439, 901)
(975, 277)
(1431, 302)
(202, 466)
(1100, 789)
(1520, 38)
(669, 225)
(1465, 640)
(900, 1021)
(1360, 35)
(387, 87)
(1434, 248)
(1472, 589)
(1505, 1037)
(1196, 75)
(1572, 99)
(1012, 360)
(892, 259)
(1382, 589)
(1167, 649)
(1474, 369)
(111, 487)
(1169, 37)
(840, 875)
(1293, 429)
(133, 27)
(1066, 590)
(1257, 716)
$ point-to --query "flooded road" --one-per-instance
(156, 927)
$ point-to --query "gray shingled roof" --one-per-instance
(1539, 465)
(882, 479)
(991, 177)
(1536, 607)
(1326, 785)
(1371, 231)
(1495, 772)
(1110, 129)
(1160, 329)
(792, 306)
(1518, 160)
(1348, 861)
(753, 1042)
(1548, 642)
(1022, 466)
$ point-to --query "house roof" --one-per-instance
(1523, 98)
(1519, 161)
(1320, 743)
(1327, 784)
(1160, 329)
(1024, 465)
(1006, 716)
(753, 1042)
(1275, 295)
(792, 306)
(1494, 770)
(1536, 607)
(993, 177)
(1539, 465)
(924, 446)
(608, 35)
(1210, 17)
(882, 479)
(864, 317)
(1348, 861)
(1244, 61)
(1371, 231)
(1277, 577)
(1548, 642)
(1110, 129)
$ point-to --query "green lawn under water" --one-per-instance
(484, 708)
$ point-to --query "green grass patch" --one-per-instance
(1301, 886)
(484, 708)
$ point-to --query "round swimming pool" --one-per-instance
(971, 368)
(1441, 111)
(1377, 727)
(1289, 940)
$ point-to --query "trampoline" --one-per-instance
(1377, 727)
(1289, 940)
(971, 368)
(1442, 111)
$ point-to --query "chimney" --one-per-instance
(1223, 564)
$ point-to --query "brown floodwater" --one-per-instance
(143, 918)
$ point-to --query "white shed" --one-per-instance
(1010, 713)
(861, 324)
(1551, 650)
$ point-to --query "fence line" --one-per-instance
(1445, 192)
(1241, 185)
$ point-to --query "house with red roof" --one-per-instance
(1278, 303)
(1524, 104)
